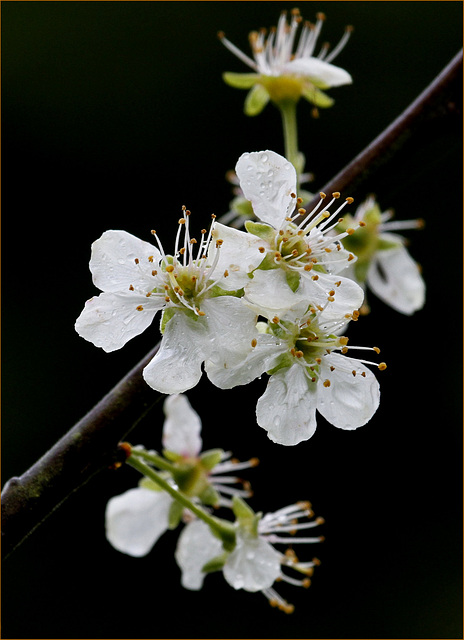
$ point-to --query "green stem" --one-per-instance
(221, 528)
(155, 459)
(289, 121)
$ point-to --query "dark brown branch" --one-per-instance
(438, 98)
(91, 445)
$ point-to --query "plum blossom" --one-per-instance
(384, 264)
(137, 518)
(309, 370)
(255, 564)
(283, 71)
(298, 261)
(138, 280)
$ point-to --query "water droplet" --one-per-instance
(264, 157)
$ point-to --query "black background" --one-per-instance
(114, 114)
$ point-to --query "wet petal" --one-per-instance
(238, 255)
(110, 319)
(253, 565)
(321, 73)
(351, 400)
(395, 278)
(287, 409)
(177, 365)
(136, 519)
(268, 180)
(182, 427)
(195, 547)
(119, 260)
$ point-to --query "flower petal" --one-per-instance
(287, 409)
(136, 519)
(110, 319)
(253, 565)
(182, 427)
(196, 545)
(351, 400)
(177, 365)
(347, 296)
(269, 291)
(321, 73)
(238, 255)
(395, 278)
(268, 180)
(113, 262)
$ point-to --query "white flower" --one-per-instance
(300, 353)
(384, 264)
(138, 280)
(298, 262)
(137, 518)
(285, 72)
(254, 565)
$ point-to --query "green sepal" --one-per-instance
(384, 245)
(172, 456)
(317, 97)
(175, 514)
(242, 206)
(320, 268)
(147, 483)
(217, 291)
(247, 519)
(361, 267)
(210, 496)
(268, 262)
(215, 564)
(209, 459)
(261, 230)
(165, 317)
(166, 262)
(284, 361)
(240, 80)
(257, 98)
(293, 280)
(226, 533)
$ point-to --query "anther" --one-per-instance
(314, 278)
(150, 258)
(350, 200)
(336, 194)
(350, 257)
(254, 342)
(140, 308)
(136, 260)
(376, 349)
(131, 288)
(350, 231)
(323, 195)
(293, 195)
(169, 268)
(261, 249)
(382, 366)
(326, 383)
(276, 320)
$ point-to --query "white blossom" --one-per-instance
(283, 69)
(137, 518)
(309, 370)
(384, 264)
(138, 280)
(255, 564)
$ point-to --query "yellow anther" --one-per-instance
(350, 257)
(275, 320)
(326, 383)
(131, 288)
(150, 258)
(254, 342)
(322, 194)
(343, 339)
(169, 268)
(139, 308)
(308, 267)
(350, 200)
(136, 260)
(350, 231)
(382, 366)
(336, 194)
(376, 349)
(182, 221)
(315, 278)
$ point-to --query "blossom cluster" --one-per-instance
(272, 299)
(136, 519)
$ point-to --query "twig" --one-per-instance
(91, 445)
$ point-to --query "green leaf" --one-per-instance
(240, 80)
(256, 100)
(317, 97)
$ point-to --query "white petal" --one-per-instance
(195, 547)
(238, 255)
(136, 519)
(287, 409)
(253, 565)
(269, 291)
(246, 364)
(348, 295)
(267, 180)
(182, 427)
(177, 365)
(110, 319)
(318, 70)
(395, 278)
(350, 401)
(113, 262)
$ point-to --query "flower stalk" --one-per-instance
(219, 527)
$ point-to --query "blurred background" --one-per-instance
(114, 115)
